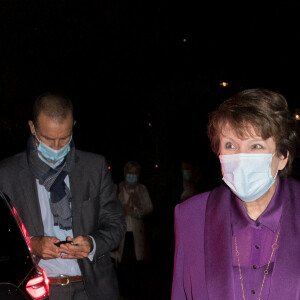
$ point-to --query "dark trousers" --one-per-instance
(132, 274)
(72, 291)
(127, 269)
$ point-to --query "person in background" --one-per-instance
(133, 253)
(241, 239)
(190, 179)
(66, 195)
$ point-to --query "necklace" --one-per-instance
(274, 247)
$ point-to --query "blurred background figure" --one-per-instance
(190, 179)
(133, 253)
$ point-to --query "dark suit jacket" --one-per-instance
(95, 208)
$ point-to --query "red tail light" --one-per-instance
(23, 228)
(38, 287)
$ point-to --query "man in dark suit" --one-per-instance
(66, 195)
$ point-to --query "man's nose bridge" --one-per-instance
(56, 144)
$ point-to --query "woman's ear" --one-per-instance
(283, 161)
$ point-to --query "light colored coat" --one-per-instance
(135, 222)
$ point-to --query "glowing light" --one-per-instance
(23, 228)
(184, 40)
(38, 287)
(156, 166)
(109, 167)
(297, 117)
(224, 84)
(150, 124)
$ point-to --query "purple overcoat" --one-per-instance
(203, 255)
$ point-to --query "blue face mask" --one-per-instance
(186, 174)
(131, 178)
(52, 155)
(248, 175)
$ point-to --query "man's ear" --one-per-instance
(31, 126)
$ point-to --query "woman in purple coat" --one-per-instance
(242, 239)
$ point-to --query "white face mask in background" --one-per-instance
(248, 175)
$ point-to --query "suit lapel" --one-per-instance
(218, 252)
(79, 191)
(29, 192)
(78, 187)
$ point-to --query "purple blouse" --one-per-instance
(254, 241)
(205, 262)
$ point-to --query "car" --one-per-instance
(20, 276)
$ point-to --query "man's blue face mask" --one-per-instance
(52, 155)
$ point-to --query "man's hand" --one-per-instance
(80, 248)
(44, 247)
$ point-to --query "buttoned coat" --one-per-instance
(96, 211)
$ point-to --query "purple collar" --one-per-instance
(269, 218)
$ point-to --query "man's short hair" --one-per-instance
(54, 105)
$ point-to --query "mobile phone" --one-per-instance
(63, 242)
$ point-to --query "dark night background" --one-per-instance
(131, 64)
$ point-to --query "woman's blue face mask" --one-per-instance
(186, 174)
(131, 178)
(248, 175)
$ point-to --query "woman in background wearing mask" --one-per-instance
(133, 252)
(191, 176)
(242, 239)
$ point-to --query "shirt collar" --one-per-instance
(269, 218)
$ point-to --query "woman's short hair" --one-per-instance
(266, 111)
(131, 164)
